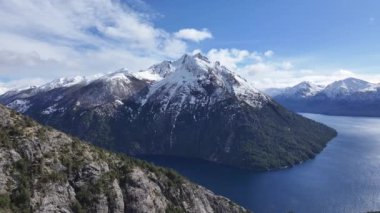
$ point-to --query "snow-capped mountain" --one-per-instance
(189, 107)
(349, 87)
(303, 89)
(63, 82)
(349, 96)
(195, 80)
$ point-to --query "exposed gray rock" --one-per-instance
(118, 198)
(44, 170)
(146, 193)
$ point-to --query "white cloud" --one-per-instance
(3, 90)
(193, 34)
(269, 53)
(41, 40)
(233, 58)
(287, 65)
(267, 72)
(53, 38)
(20, 84)
(286, 78)
(247, 62)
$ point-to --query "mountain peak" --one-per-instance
(197, 75)
(118, 75)
(303, 89)
(162, 69)
(197, 59)
(305, 84)
(63, 82)
(198, 109)
(353, 79)
(347, 86)
(200, 56)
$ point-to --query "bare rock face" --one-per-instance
(146, 193)
(44, 170)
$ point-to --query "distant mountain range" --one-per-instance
(189, 107)
(349, 97)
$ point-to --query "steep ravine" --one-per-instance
(44, 170)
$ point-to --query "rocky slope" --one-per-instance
(44, 170)
(350, 97)
(189, 107)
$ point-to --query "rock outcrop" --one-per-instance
(44, 170)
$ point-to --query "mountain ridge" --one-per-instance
(44, 170)
(189, 107)
(350, 97)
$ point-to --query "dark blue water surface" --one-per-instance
(345, 177)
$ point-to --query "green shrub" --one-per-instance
(28, 122)
(15, 131)
(21, 198)
(4, 139)
(4, 201)
(41, 134)
(173, 209)
(54, 177)
(77, 208)
(173, 176)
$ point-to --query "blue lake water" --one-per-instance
(345, 177)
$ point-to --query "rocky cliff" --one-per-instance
(44, 170)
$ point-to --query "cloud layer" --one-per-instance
(265, 70)
(193, 34)
(47, 39)
(41, 40)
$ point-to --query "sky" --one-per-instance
(272, 43)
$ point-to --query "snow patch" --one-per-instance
(147, 75)
(118, 102)
(49, 110)
(19, 105)
(63, 82)
(58, 98)
(3, 90)
(347, 87)
(196, 74)
(117, 76)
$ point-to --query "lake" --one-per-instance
(344, 177)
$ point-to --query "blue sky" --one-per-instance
(329, 32)
(273, 43)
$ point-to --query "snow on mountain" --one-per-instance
(15, 94)
(338, 89)
(190, 107)
(301, 90)
(194, 79)
(147, 75)
(23, 93)
(19, 105)
(347, 87)
(3, 90)
(50, 110)
(63, 82)
(162, 69)
(306, 89)
(350, 97)
(190, 80)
